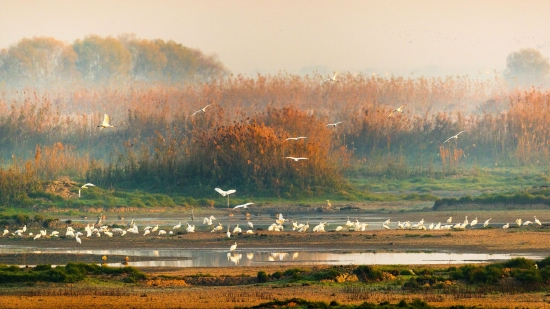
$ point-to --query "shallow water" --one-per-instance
(244, 257)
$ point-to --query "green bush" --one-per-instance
(368, 273)
(520, 262)
(262, 276)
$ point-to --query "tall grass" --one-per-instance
(240, 140)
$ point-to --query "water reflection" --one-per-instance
(223, 258)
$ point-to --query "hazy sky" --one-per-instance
(297, 36)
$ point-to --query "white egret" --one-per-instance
(233, 247)
(155, 228)
(537, 221)
(78, 240)
(294, 138)
(297, 159)
(249, 232)
(474, 222)
(225, 193)
(333, 124)
(398, 110)
(84, 187)
(450, 220)
(526, 223)
(486, 222)
(332, 79)
(454, 136)
(6, 232)
(228, 232)
(250, 224)
(148, 231)
(200, 110)
(237, 230)
(242, 205)
(37, 236)
(505, 226)
(176, 226)
(105, 123)
(162, 232)
(385, 226)
(518, 222)
(387, 222)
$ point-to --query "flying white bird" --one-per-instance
(296, 159)
(398, 110)
(84, 187)
(333, 124)
(454, 136)
(105, 123)
(294, 138)
(242, 205)
(225, 193)
(332, 79)
(201, 110)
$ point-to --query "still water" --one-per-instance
(258, 257)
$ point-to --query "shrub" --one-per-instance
(262, 276)
(368, 273)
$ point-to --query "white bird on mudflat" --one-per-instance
(237, 230)
(486, 222)
(105, 123)
(233, 247)
(332, 79)
(333, 124)
(474, 222)
(162, 232)
(505, 226)
(242, 205)
(397, 110)
(250, 232)
(155, 228)
(177, 226)
(537, 221)
(518, 222)
(387, 222)
(297, 159)
(438, 226)
(454, 136)
(385, 226)
(6, 232)
(78, 240)
(37, 236)
(147, 231)
(450, 220)
(294, 138)
(526, 223)
(200, 110)
(228, 232)
(250, 224)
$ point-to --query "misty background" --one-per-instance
(399, 38)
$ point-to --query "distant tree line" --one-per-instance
(45, 61)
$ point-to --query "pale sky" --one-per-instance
(297, 36)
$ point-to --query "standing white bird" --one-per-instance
(242, 205)
(486, 222)
(78, 240)
(294, 138)
(105, 123)
(474, 222)
(233, 247)
(518, 222)
(537, 221)
(228, 232)
(333, 124)
(332, 79)
(397, 110)
(454, 136)
(450, 220)
(225, 193)
(250, 224)
(176, 226)
(84, 187)
(505, 226)
(201, 110)
(296, 159)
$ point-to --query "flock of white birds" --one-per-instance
(92, 231)
(98, 230)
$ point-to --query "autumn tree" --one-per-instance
(184, 63)
(527, 67)
(102, 59)
(148, 61)
(38, 61)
